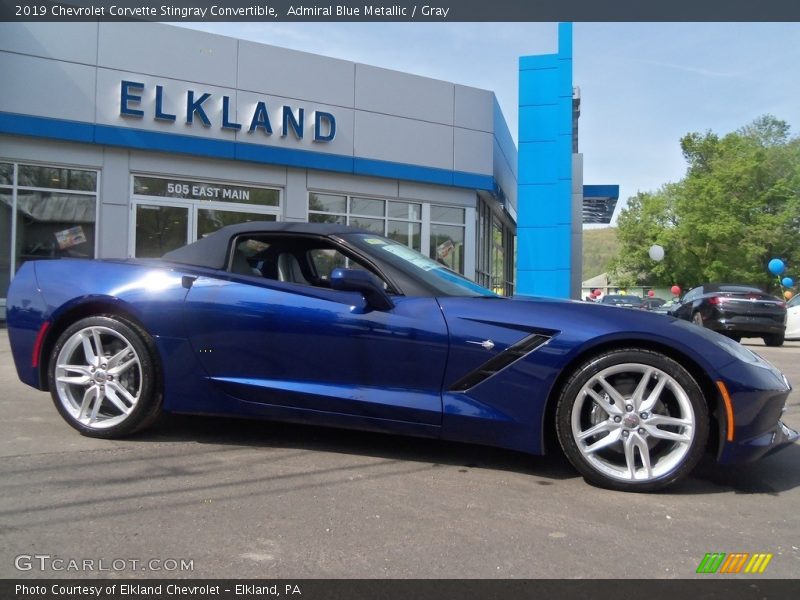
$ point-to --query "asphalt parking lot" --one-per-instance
(264, 500)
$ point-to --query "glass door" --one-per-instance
(170, 213)
(159, 228)
(208, 219)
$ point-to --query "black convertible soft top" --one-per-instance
(212, 250)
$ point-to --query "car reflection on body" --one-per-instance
(328, 325)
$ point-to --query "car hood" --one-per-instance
(574, 327)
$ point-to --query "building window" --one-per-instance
(483, 216)
(447, 236)
(397, 220)
(45, 212)
(494, 267)
(6, 225)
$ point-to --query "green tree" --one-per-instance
(737, 207)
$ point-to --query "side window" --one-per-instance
(301, 260)
(693, 294)
(325, 260)
(248, 256)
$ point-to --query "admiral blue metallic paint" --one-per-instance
(232, 344)
(271, 339)
(27, 314)
(240, 345)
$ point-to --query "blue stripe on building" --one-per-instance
(75, 131)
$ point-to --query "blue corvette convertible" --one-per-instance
(330, 325)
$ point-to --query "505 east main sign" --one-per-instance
(197, 108)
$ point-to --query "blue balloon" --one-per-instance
(787, 282)
(776, 266)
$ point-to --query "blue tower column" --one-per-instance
(544, 221)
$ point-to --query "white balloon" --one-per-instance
(657, 252)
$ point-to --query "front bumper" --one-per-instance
(758, 395)
(758, 447)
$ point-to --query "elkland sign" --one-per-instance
(197, 108)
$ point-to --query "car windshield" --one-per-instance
(432, 273)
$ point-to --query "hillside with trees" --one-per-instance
(600, 246)
(737, 207)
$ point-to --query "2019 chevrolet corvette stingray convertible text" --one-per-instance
(328, 325)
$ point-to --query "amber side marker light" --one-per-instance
(726, 399)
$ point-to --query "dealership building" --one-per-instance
(132, 139)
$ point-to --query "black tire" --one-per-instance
(734, 337)
(125, 372)
(774, 340)
(609, 466)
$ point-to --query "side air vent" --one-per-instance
(499, 362)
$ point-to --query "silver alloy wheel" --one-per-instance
(98, 377)
(618, 417)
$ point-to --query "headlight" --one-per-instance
(738, 351)
(735, 350)
(750, 357)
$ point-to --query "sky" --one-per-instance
(643, 85)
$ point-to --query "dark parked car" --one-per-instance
(652, 303)
(624, 300)
(736, 311)
(330, 325)
(664, 309)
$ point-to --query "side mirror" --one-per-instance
(358, 280)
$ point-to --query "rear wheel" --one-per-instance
(103, 377)
(632, 420)
(776, 339)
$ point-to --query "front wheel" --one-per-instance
(632, 420)
(103, 377)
